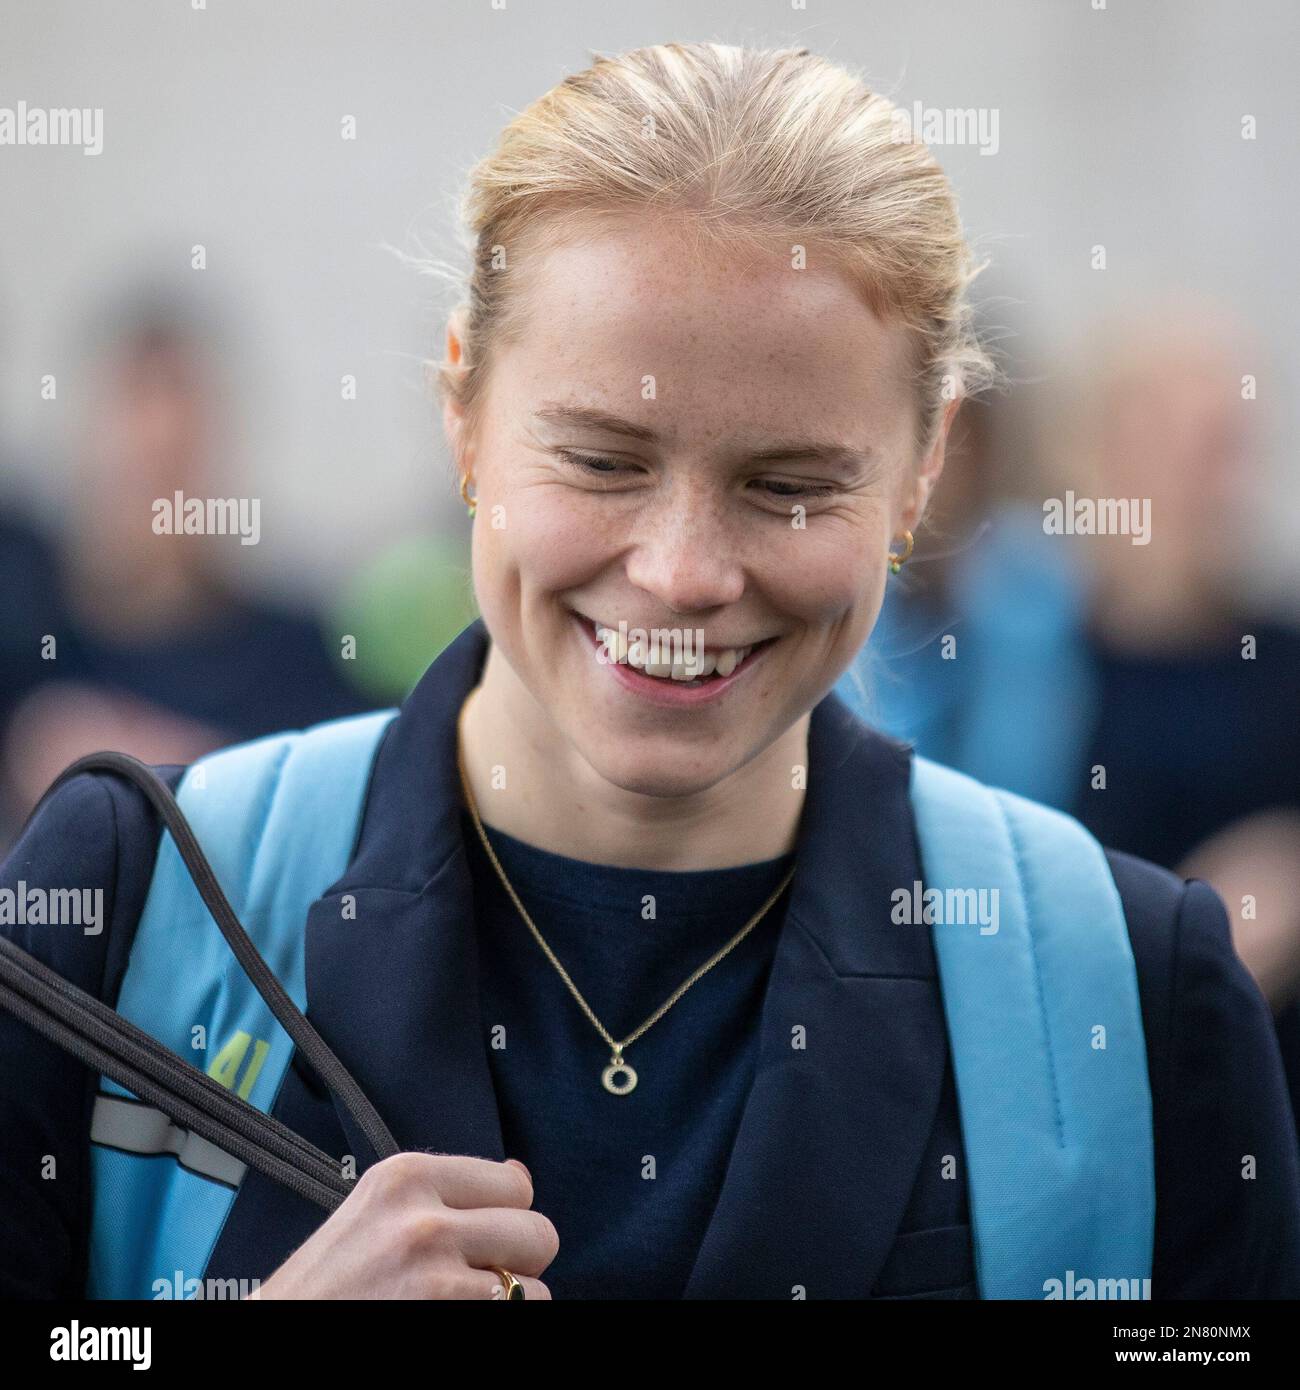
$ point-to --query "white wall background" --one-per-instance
(222, 126)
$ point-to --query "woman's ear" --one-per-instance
(453, 426)
(452, 370)
(455, 336)
(916, 496)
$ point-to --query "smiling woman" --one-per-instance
(616, 893)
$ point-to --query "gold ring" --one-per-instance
(514, 1289)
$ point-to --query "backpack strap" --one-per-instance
(1048, 1049)
(278, 820)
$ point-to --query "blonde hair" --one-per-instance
(747, 147)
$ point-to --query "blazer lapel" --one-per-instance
(852, 1045)
(392, 960)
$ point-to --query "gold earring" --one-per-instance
(896, 562)
(471, 503)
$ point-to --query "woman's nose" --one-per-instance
(687, 559)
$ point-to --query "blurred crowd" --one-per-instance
(126, 628)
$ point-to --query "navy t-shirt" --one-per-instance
(630, 1181)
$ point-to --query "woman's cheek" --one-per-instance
(548, 544)
(822, 575)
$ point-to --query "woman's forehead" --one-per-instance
(614, 313)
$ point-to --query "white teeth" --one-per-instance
(703, 664)
(614, 642)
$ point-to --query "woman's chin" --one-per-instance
(656, 770)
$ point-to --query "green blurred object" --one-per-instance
(403, 608)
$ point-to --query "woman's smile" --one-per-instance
(672, 675)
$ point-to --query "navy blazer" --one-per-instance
(836, 1183)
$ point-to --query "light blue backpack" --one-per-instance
(1043, 1017)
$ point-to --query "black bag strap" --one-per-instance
(81, 1024)
(104, 1040)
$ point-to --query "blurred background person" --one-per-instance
(1128, 678)
(132, 637)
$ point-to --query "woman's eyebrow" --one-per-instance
(556, 413)
(795, 451)
(812, 451)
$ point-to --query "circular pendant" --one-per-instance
(618, 1078)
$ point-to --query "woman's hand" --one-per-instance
(425, 1226)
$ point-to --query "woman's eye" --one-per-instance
(778, 487)
(600, 466)
(594, 464)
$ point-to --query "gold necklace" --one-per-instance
(618, 1078)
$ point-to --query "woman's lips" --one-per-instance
(662, 690)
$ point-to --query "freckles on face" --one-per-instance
(709, 512)
(538, 540)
